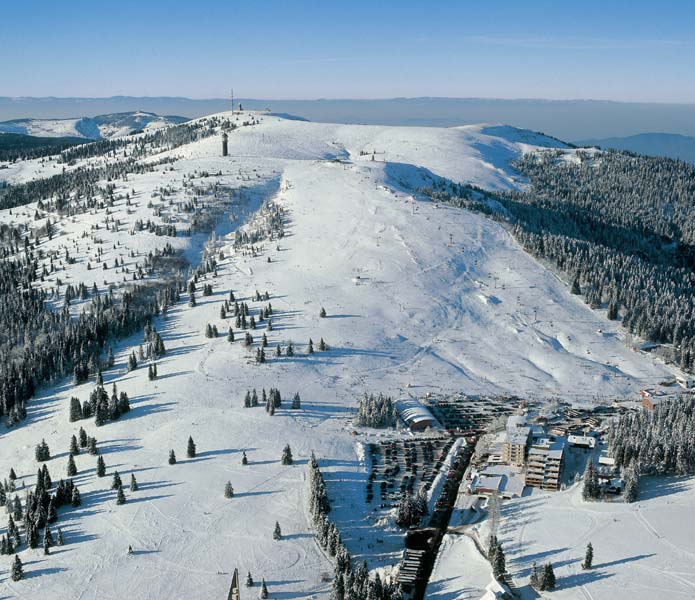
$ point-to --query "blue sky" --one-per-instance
(639, 50)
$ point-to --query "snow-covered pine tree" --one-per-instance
(17, 571)
(116, 482)
(286, 456)
(228, 490)
(75, 409)
(588, 557)
(74, 448)
(101, 467)
(71, 468)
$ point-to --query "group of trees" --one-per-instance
(543, 579)
(660, 442)
(591, 489)
(268, 225)
(495, 554)
(38, 512)
(38, 344)
(376, 411)
(270, 400)
(411, 510)
(349, 583)
(620, 226)
(100, 405)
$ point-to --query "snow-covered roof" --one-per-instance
(413, 412)
(582, 440)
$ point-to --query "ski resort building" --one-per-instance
(516, 441)
(650, 402)
(581, 441)
(415, 416)
(544, 466)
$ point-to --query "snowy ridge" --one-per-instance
(91, 128)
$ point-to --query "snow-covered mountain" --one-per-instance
(671, 145)
(93, 128)
(420, 298)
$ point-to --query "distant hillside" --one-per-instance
(670, 145)
(564, 119)
(19, 145)
(92, 128)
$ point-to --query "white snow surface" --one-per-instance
(419, 295)
(103, 126)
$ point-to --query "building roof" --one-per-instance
(413, 412)
(582, 440)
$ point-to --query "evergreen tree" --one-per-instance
(591, 489)
(631, 491)
(83, 438)
(535, 581)
(59, 537)
(120, 496)
(296, 401)
(310, 349)
(75, 410)
(47, 537)
(249, 580)
(116, 482)
(32, 537)
(548, 578)
(228, 490)
(74, 448)
(338, 587)
(101, 466)
(244, 460)
(287, 455)
(42, 452)
(190, 450)
(17, 572)
(172, 457)
(588, 557)
(51, 514)
(264, 590)
(92, 445)
(230, 335)
(71, 469)
(76, 499)
(277, 533)
(499, 567)
(133, 483)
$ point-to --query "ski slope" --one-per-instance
(419, 298)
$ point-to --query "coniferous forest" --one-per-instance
(660, 441)
(620, 227)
